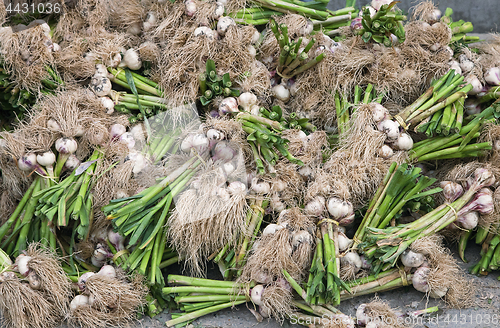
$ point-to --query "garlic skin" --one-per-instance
(477, 86)
(492, 76)
(72, 162)
(390, 128)
(236, 187)
(79, 300)
(404, 142)
(27, 162)
(411, 259)
(301, 237)
(276, 204)
(190, 8)
(101, 70)
(219, 10)
(195, 142)
(379, 112)
(316, 206)
(223, 25)
(131, 59)
(352, 259)
(107, 271)
(385, 152)
(149, 22)
(246, 100)
(46, 159)
(256, 295)
(100, 85)
(53, 126)
(22, 264)
(260, 187)
(205, 31)
(228, 106)
(66, 145)
(117, 130)
(344, 242)
(281, 92)
(468, 220)
(456, 66)
(338, 208)
(255, 36)
(361, 317)
(419, 279)
(271, 229)
(114, 61)
(128, 139)
(108, 104)
(466, 66)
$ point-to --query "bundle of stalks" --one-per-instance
(24, 225)
(297, 26)
(400, 185)
(286, 245)
(459, 29)
(12, 148)
(444, 95)
(27, 58)
(217, 295)
(291, 58)
(17, 297)
(46, 275)
(107, 299)
(387, 20)
(378, 313)
(393, 241)
(216, 219)
(77, 59)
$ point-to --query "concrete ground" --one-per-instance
(485, 315)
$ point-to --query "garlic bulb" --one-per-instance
(492, 76)
(390, 128)
(281, 92)
(131, 59)
(223, 25)
(256, 295)
(101, 85)
(338, 208)
(246, 100)
(316, 206)
(411, 259)
(404, 142)
(228, 105)
(385, 152)
(79, 300)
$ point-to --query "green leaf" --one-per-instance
(204, 101)
(235, 93)
(251, 137)
(226, 79)
(278, 110)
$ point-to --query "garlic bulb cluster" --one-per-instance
(247, 102)
(341, 211)
(395, 139)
